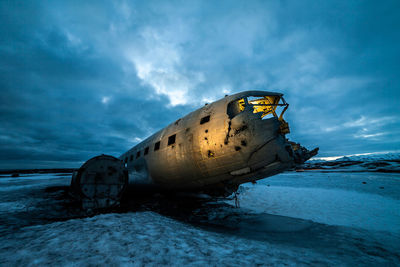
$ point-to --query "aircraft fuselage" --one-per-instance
(234, 140)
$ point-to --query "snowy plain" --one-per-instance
(295, 218)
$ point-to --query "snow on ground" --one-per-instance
(341, 207)
(302, 218)
(336, 205)
(145, 238)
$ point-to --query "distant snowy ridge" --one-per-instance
(379, 161)
(363, 156)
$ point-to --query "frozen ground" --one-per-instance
(302, 218)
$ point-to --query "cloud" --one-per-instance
(368, 136)
(81, 79)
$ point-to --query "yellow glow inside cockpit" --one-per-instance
(266, 105)
(241, 104)
(263, 105)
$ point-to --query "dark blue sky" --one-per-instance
(81, 78)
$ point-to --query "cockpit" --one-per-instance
(267, 106)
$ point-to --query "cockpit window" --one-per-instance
(235, 107)
(267, 106)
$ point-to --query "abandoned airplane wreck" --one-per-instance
(237, 139)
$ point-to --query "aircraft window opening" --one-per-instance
(171, 139)
(205, 119)
(235, 107)
(157, 146)
(138, 154)
(266, 106)
(131, 158)
(146, 150)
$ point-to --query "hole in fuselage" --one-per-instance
(205, 119)
(171, 139)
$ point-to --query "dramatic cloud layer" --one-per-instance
(80, 79)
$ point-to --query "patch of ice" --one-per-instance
(334, 207)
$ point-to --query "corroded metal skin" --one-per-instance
(100, 182)
(217, 147)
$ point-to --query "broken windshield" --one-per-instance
(266, 106)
